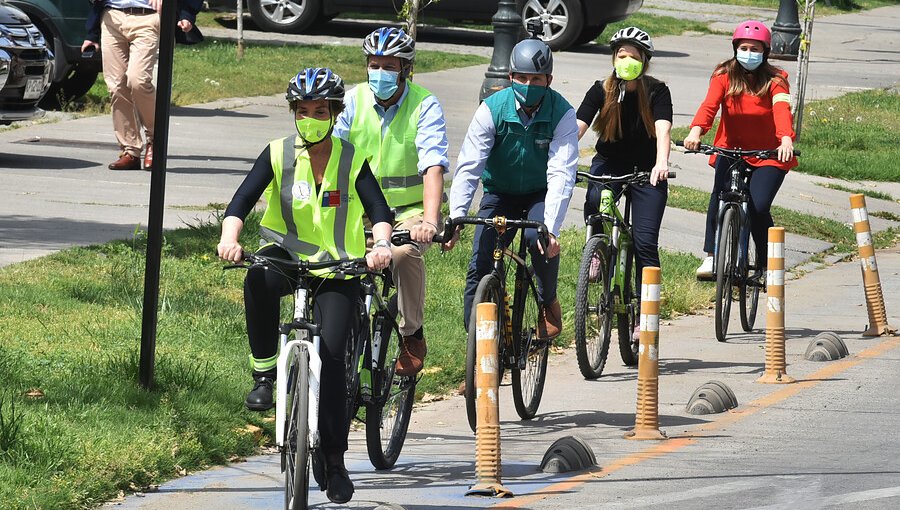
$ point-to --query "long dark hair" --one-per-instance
(756, 83)
(608, 123)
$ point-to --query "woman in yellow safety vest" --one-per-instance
(317, 189)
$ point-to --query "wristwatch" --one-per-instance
(382, 243)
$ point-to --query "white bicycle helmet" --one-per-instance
(634, 36)
(315, 83)
(390, 42)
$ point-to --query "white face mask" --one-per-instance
(749, 60)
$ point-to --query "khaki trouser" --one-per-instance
(408, 268)
(130, 44)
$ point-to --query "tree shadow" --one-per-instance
(40, 162)
(191, 111)
(685, 365)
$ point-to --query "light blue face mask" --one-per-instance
(383, 83)
(749, 60)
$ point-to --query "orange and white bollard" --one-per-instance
(776, 365)
(874, 298)
(646, 419)
(487, 405)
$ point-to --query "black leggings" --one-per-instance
(765, 181)
(263, 289)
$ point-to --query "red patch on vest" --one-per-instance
(331, 198)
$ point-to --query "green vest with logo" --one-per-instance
(315, 224)
(518, 161)
(393, 159)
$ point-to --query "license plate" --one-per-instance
(33, 88)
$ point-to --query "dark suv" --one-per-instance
(26, 66)
(62, 22)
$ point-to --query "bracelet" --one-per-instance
(432, 224)
(382, 243)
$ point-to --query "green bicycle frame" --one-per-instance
(619, 242)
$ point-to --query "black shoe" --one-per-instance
(318, 469)
(340, 488)
(260, 397)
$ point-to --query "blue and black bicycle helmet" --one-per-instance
(315, 83)
(390, 42)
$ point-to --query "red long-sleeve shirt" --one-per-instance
(748, 122)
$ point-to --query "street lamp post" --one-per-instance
(786, 32)
(507, 24)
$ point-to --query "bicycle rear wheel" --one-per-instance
(749, 292)
(593, 310)
(726, 262)
(627, 320)
(387, 416)
(295, 453)
(530, 373)
(488, 291)
(352, 357)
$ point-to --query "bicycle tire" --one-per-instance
(625, 322)
(593, 317)
(488, 291)
(387, 418)
(726, 260)
(530, 372)
(296, 449)
(749, 292)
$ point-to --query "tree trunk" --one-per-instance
(412, 18)
(240, 29)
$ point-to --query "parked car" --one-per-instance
(26, 65)
(566, 22)
(62, 23)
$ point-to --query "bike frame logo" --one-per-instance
(606, 201)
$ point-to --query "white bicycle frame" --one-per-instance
(286, 353)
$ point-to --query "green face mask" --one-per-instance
(313, 130)
(628, 68)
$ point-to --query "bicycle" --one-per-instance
(297, 373)
(605, 288)
(519, 348)
(734, 256)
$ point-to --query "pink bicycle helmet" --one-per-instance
(753, 30)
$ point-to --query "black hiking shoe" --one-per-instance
(260, 397)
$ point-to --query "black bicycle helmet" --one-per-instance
(315, 83)
(634, 36)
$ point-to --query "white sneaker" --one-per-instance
(706, 268)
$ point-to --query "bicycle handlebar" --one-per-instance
(494, 222)
(344, 266)
(632, 178)
(733, 153)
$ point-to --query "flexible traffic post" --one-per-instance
(871, 281)
(487, 405)
(646, 419)
(776, 366)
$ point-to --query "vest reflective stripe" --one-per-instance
(340, 219)
(290, 240)
(399, 173)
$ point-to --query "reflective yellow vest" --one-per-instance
(394, 158)
(317, 225)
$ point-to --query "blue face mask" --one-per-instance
(383, 83)
(528, 95)
(749, 60)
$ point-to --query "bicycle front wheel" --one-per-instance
(749, 292)
(726, 262)
(388, 414)
(627, 319)
(593, 310)
(488, 291)
(352, 359)
(295, 453)
(530, 372)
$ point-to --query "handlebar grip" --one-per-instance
(679, 143)
(672, 174)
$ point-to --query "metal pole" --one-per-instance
(157, 192)
(507, 26)
(786, 32)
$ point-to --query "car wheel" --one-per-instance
(562, 20)
(75, 85)
(284, 15)
(589, 34)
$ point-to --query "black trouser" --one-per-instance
(263, 289)
(648, 203)
(765, 181)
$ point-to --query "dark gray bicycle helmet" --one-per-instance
(315, 83)
(634, 36)
(531, 56)
(390, 42)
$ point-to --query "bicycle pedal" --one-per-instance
(706, 278)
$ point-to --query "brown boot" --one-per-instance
(126, 162)
(148, 157)
(550, 321)
(412, 355)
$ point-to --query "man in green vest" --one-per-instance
(523, 146)
(400, 126)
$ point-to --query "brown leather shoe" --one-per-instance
(148, 157)
(412, 356)
(550, 321)
(126, 162)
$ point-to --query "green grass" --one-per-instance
(871, 193)
(822, 9)
(70, 325)
(655, 25)
(209, 71)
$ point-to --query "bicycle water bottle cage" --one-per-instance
(607, 202)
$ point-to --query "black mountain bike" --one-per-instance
(738, 269)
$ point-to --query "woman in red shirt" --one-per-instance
(756, 114)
